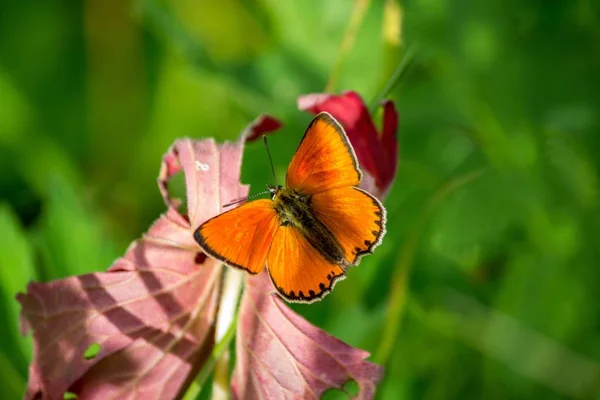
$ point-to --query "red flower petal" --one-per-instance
(352, 113)
(389, 142)
(281, 355)
(261, 125)
(377, 154)
(153, 312)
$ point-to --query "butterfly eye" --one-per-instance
(274, 190)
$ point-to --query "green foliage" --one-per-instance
(70, 238)
(16, 270)
(486, 283)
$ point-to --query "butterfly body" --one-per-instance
(293, 209)
(312, 229)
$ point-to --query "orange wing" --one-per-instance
(324, 158)
(241, 237)
(355, 218)
(297, 270)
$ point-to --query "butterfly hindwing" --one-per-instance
(298, 270)
(324, 159)
(240, 237)
(354, 217)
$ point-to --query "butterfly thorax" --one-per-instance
(294, 210)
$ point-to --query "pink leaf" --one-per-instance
(280, 355)
(153, 312)
(377, 153)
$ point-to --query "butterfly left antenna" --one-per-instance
(270, 159)
(261, 193)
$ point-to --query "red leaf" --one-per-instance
(377, 154)
(280, 355)
(153, 312)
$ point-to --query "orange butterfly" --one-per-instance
(309, 232)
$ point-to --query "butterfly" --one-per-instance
(311, 230)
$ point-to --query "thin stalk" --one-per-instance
(398, 288)
(358, 13)
(234, 280)
(403, 65)
(220, 348)
(224, 333)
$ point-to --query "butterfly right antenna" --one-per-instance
(270, 159)
(245, 199)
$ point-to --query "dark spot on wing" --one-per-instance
(375, 233)
(311, 293)
(292, 294)
(322, 286)
(368, 243)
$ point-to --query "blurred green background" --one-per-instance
(487, 283)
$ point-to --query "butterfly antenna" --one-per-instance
(245, 199)
(270, 159)
(235, 202)
(261, 193)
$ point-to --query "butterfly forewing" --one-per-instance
(240, 237)
(324, 159)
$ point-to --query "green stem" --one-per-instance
(398, 289)
(358, 12)
(226, 323)
(220, 348)
(403, 65)
(232, 288)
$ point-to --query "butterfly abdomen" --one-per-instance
(293, 209)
